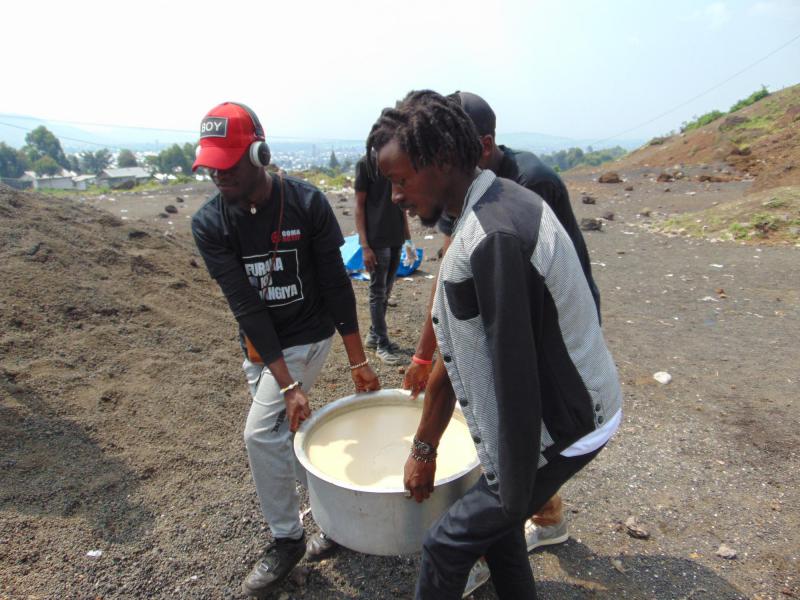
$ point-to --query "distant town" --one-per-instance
(49, 156)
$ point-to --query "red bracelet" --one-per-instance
(420, 361)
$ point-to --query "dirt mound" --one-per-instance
(761, 141)
(104, 375)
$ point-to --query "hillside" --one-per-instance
(761, 141)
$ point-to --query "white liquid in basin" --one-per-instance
(369, 446)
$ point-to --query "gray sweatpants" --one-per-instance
(269, 441)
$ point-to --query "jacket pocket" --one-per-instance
(462, 299)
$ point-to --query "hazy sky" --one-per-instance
(575, 68)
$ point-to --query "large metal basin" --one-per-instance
(367, 519)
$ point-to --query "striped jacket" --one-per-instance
(518, 331)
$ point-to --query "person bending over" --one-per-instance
(521, 347)
(272, 244)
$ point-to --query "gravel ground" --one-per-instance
(122, 404)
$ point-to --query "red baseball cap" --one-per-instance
(226, 133)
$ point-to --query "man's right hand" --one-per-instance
(370, 260)
(297, 407)
(416, 378)
(418, 478)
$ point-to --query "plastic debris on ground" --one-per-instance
(662, 377)
(354, 260)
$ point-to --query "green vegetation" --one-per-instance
(774, 203)
(46, 165)
(325, 179)
(126, 159)
(100, 190)
(44, 155)
(739, 231)
(705, 119)
(759, 122)
(751, 99)
(93, 162)
(712, 116)
(175, 159)
(770, 216)
(657, 141)
(13, 162)
(574, 157)
(41, 143)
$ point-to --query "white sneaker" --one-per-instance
(478, 575)
(389, 356)
(536, 535)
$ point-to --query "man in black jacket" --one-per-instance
(520, 341)
(272, 244)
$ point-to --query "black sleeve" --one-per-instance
(446, 224)
(250, 311)
(556, 198)
(505, 282)
(334, 284)
(362, 180)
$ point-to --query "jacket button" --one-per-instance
(599, 418)
(463, 401)
(490, 477)
(597, 407)
(476, 439)
(435, 320)
(446, 358)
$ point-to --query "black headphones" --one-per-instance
(259, 151)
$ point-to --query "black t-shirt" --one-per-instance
(529, 171)
(383, 218)
(285, 298)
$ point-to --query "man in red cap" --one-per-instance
(272, 244)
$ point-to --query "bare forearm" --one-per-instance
(406, 230)
(438, 406)
(280, 372)
(361, 218)
(354, 348)
(426, 345)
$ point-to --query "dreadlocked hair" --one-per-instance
(431, 129)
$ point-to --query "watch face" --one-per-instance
(423, 447)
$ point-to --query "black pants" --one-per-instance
(476, 525)
(381, 281)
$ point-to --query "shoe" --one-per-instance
(389, 356)
(478, 575)
(370, 342)
(280, 558)
(394, 347)
(320, 546)
(545, 535)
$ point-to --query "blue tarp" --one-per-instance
(354, 261)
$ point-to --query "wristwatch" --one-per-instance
(423, 448)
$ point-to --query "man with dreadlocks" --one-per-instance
(521, 346)
(548, 526)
